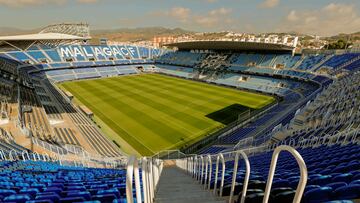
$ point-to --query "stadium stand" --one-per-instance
(51, 151)
(354, 66)
(332, 174)
(331, 112)
(66, 136)
(34, 117)
(338, 60)
(86, 127)
(308, 62)
(38, 181)
(327, 127)
(52, 112)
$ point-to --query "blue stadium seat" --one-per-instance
(347, 192)
(336, 185)
(342, 178)
(52, 197)
(85, 195)
(321, 194)
(72, 199)
(105, 197)
(17, 198)
(6, 192)
(110, 191)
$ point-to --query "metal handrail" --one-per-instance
(46, 157)
(208, 171)
(158, 169)
(132, 170)
(151, 181)
(220, 157)
(353, 138)
(144, 173)
(246, 179)
(35, 156)
(291, 142)
(2, 154)
(201, 169)
(23, 153)
(195, 165)
(151, 170)
(11, 156)
(189, 166)
(165, 154)
(303, 173)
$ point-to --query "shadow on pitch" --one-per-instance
(228, 114)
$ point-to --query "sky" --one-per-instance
(318, 17)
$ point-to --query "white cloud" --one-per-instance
(220, 11)
(269, 3)
(216, 18)
(21, 3)
(292, 16)
(332, 19)
(87, 1)
(180, 13)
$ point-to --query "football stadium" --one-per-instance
(212, 120)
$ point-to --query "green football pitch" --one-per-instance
(149, 113)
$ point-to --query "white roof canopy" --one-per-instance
(51, 36)
(23, 42)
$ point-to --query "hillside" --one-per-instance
(354, 37)
(121, 35)
(4, 31)
(136, 34)
(148, 33)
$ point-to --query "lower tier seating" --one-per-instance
(333, 174)
(29, 181)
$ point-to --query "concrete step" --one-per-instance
(189, 201)
(177, 187)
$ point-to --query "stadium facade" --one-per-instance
(52, 150)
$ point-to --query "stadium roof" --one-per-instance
(231, 45)
(52, 36)
(23, 42)
(41, 36)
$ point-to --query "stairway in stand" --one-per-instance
(175, 186)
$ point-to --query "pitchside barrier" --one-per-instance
(243, 119)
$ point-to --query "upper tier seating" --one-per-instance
(309, 61)
(338, 60)
(43, 57)
(284, 64)
(287, 60)
(339, 100)
(355, 66)
(181, 58)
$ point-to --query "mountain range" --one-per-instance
(147, 33)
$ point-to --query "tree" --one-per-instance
(340, 44)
